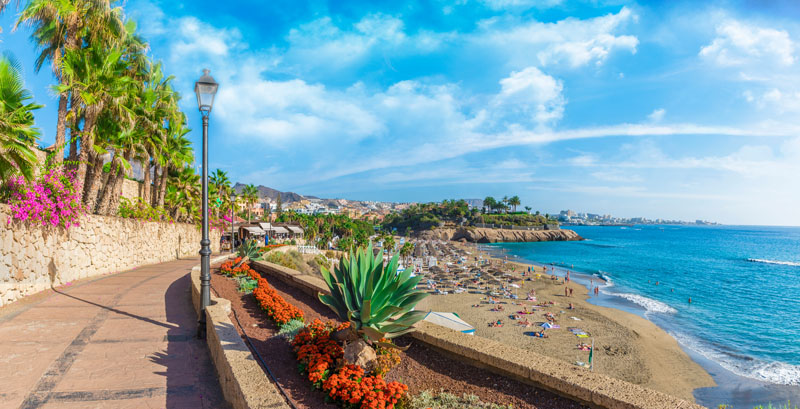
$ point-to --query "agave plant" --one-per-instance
(248, 250)
(376, 300)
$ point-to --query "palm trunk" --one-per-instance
(146, 182)
(61, 129)
(116, 193)
(87, 142)
(94, 181)
(156, 185)
(162, 188)
(110, 186)
(73, 135)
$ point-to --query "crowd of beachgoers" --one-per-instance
(541, 309)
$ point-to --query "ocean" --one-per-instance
(743, 322)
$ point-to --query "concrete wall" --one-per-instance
(33, 257)
(592, 389)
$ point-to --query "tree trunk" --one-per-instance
(94, 181)
(109, 201)
(109, 187)
(156, 185)
(61, 129)
(87, 142)
(146, 182)
(162, 188)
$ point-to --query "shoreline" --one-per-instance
(627, 346)
(729, 386)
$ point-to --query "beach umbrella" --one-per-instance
(513, 285)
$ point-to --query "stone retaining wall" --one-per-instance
(131, 189)
(593, 389)
(244, 384)
(34, 258)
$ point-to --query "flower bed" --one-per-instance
(227, 268)
(273, 304)
(320, 357)
(349, 385)
(269, 247)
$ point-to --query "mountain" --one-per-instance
(475, 202)
(263, 191)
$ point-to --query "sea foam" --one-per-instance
(779, 373)
(783, 263)
(648, 304)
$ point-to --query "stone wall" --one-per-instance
(32, 257)
(131, 189)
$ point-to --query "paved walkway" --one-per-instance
(123, 341)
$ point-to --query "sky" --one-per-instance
(677, 110)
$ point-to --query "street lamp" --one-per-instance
(205, 88)
(233, 214)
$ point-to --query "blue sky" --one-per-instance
(667, 109)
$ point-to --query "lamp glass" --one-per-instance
(206, 89)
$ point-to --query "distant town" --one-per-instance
(270, 200)
(571, 218)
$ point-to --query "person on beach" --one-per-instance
(570, 292)
(597, 290)
(571, 307)
(566, 292)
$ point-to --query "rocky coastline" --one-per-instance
(490, 235)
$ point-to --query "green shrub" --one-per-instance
(289, 259)
(444, 400)
(290, 329)
(141, 211)
(246, 284)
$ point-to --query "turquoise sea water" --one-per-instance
(743, 324)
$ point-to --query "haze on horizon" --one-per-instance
(669, 110)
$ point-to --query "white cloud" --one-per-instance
(657, 115)
(530, 93)
(571, 41)
(738, 43)
(775, 100)
(520, 4)
(195, 37)
(323, 45)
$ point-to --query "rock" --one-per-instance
(487, 235)
(359, 353)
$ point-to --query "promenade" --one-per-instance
(121, 341)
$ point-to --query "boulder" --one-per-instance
(359, 353)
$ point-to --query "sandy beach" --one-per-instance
(627, 346)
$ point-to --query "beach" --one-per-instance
(627, 346)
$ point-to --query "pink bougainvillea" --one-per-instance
(53, 199)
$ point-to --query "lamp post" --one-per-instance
(233, 214)
(205, 88)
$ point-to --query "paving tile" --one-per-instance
(23, 363)
(155, 402)
(126, 336)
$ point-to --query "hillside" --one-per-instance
(263, 191)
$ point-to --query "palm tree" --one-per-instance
(514, 201)
(250, 197)
(17, 134)
(221, 183)
(59, 27)
(95, 78)
(528, 209)
(489, 203)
